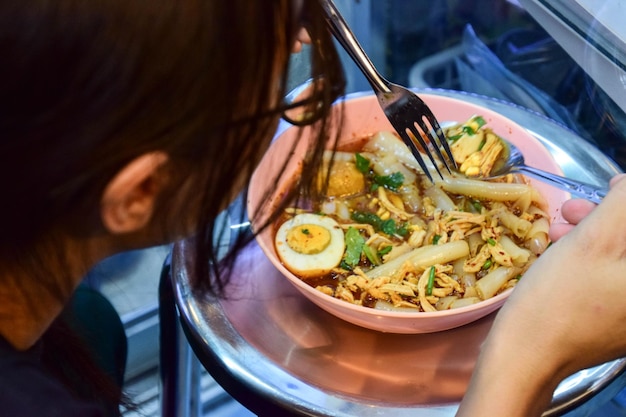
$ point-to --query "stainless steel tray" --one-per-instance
(272, 349)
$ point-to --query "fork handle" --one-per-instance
(577, 188)
(344, 35)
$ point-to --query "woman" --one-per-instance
(125, 124)
(568, 313)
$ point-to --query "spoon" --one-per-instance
(513, 161)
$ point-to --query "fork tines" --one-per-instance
(437, 140)
(425, 131)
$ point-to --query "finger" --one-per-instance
(573, 211)
(302, 37)
(297, 47)
(558, 230)
(616, 179)
(615, 198)
(607, 220)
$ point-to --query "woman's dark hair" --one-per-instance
(87, 86)
(327, 84)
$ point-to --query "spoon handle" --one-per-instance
(577, 188)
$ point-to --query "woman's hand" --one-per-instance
(567, 313)
(573, 211)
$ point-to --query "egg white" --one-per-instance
(311, 264)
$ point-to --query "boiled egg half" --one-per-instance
(309, 244)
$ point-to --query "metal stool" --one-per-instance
(179, 369)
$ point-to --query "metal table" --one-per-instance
(279, 354)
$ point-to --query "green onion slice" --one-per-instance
(431, 281)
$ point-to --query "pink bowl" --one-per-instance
(363, 116)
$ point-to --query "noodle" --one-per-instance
(417, 246)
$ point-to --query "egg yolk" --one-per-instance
(345, 179)
(308, 239)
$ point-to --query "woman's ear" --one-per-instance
(128, 200)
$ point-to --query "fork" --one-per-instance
(404, 109)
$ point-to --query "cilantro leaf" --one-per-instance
(388, 226)
(391, 181)
(403, 229)
(362, 163)
(354, 247)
